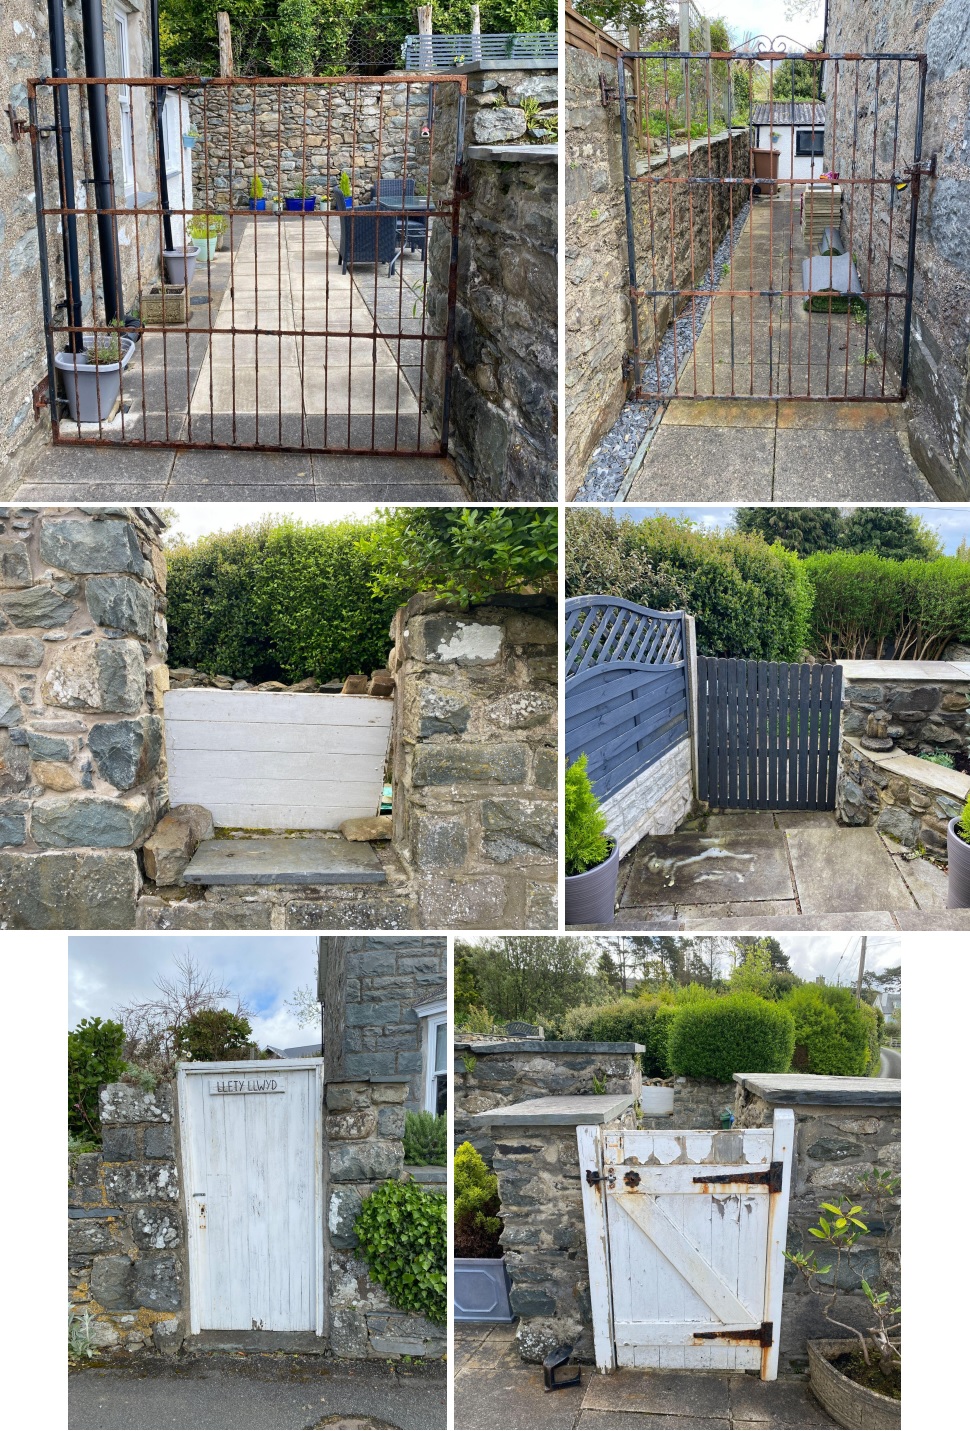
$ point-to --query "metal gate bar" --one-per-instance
(293, 339)
(763, 325)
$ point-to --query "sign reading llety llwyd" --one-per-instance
(246, 1085)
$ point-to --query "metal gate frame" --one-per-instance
(765, 52)
(104, 215)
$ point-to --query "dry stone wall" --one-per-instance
(474, 761)
(126, 1227)
(910, 800)
(82, 675)
(923, 714)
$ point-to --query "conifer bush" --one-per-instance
(587, 844)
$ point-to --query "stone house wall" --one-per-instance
(504, 405)
(924, 713)
(126, 1226)
(910, 800)
(490, 1075)
(82, 651)
(938, 410)
(474, 763)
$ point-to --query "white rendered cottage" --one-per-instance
(796, 130)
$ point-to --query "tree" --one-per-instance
(801, 529)
(305, 1007)
(609, 970)
(779, 959)
(211, 1035)
(649, 15)
(890, 532)
(533, 977)
(795, 79)
(752, 974)
(94, 1058)
(467, 993)
(152, 1026)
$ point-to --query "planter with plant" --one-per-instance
(257, 194)
(481, 1284)
(958, 860)
(204, 230)
(180, 262)
(277, 204)
(346, 190)
(189, 137)
(592, 857)
(92, 378)
(857, 1375)
(301, 200)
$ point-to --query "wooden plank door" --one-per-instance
(251, 1136)
(685, 1236)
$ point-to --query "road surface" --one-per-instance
(889, 1063)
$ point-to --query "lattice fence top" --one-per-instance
(606, 631)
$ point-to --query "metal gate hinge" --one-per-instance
(763, 1335)
(926, 168)
(771, 1177)
(594, 1178)
(40, 396)
(18, 127)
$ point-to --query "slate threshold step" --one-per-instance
(271, 860)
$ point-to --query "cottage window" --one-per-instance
(809, 141)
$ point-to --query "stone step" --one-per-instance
(275, 859)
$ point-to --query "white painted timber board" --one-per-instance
(597, 1246)
(275, 760)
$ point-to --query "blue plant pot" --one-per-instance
(349, 203)
(188, 141)
(257, 203)
(305, 206)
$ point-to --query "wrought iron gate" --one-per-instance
(767, 734)
(310, 324)
(771, 201)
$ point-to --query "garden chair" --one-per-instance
(413, 230)
(368, 235)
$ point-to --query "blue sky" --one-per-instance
(264, 970)
(951, 523)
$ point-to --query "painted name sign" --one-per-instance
(246, 1085)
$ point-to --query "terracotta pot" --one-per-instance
(848, 1403)
(958, 867)
(591, 896)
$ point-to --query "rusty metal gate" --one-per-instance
(771, 202)
(246, 263)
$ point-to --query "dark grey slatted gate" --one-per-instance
(767, 734)
(626, 687)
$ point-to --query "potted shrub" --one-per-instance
(345, 189)
(301, 200)
(481, 1284)
(189, 137)
(180, 262)
(856, 1377)
(958, 860)
(276, 204)
(592, 857)
(204, 230)
(92, 378)
(257, 194)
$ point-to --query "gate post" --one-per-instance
(690, 664)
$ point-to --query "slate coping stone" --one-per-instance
(562, 1112)
(536, 1045)
(275, 860)
(819, 1089)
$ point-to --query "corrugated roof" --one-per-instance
(784, 112)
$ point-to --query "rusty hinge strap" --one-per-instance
(770, 1176)
(763, 1335)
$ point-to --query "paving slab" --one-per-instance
(839, 416)
(499, 1398)
(841, 869)
(663, 1393)
(608, 1421)
(943, 920)
(225, 492)
(80, 467)
(709, 869)
(784, 1405)
(244, 469)
(926, 882)
(735, 820)
(854, 922)
(277, 860)
(67, 493)
(836, 466)
(794, 819)
(704, 463)
(709, 412)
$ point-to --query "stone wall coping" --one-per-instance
(563, 1111)
(476, 67)
(680, 151)
(95, 1212)
(906, 670)
(920, 772)
(821, 1090)
(516, 153)
(539, 1045)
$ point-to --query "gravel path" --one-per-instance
(609, 463)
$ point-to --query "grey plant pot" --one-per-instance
(591, 896)
(481, 1290)
(180, 263)
(851, 1405)
(91, 389)
(958, 869)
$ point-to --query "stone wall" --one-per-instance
(939, 388)
(474, 761)
(598, 333)
(698, 1103)
(373, 1041)
(490, 1075)
(126, 1227)
(504, 409)
(844, 1127)
(655, 802)
(82, 650)
(924, 712)
(910, 800)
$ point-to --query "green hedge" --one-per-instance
(716, 1038)
(749, 599)
(278, 601)
(833, 1033)
(627, 1020)
(869, 606)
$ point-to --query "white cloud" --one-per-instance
(198, 519)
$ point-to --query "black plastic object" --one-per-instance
(553, 1363)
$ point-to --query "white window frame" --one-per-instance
(124, 102)
(433, 1015)
(815, 135)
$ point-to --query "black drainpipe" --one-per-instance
(104, 197)
(65, 166)
(160, 93)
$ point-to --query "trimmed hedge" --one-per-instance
(832, 1033)
(717, 1038)
(869, 606)
(627, 1020)
(749, 599)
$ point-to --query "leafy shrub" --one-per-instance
(749, 599)
(869, 606)
(211, 1035)
(425, 1139)
(875, 1024)
(831, 1032)
(963, 825)
(477, 1224)
(627, 1020)
(586, 842)
(740, 1033)
(93, 1059)
(402, 1236)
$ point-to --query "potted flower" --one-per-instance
(958, 860)
(345, 189)
(92, 378)
(189, 137)
(856, 1377)
(277, 204)
(301, 199)
(257, 194)
(205, 229)
(481, 1285)
(180, 262)
(592, 857)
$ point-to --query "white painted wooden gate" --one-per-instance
(685, 1233)
(252, 1155)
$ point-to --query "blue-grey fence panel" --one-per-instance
(767, 734)
(626, 687)
(428, 52)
